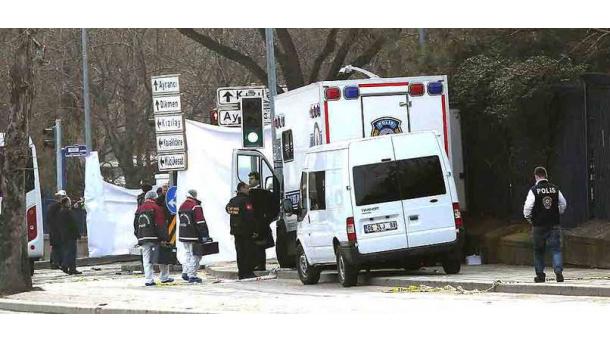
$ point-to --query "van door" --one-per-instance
(384, 114)
(378, 213)
(246, 161)
(424, 186)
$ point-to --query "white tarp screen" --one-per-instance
(210, 152)
(110, 212)
(110, 208)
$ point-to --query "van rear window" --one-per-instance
(398, 180)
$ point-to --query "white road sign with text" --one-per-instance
(167, 104)
(169, 123)
(165, 84)
(169, 162)
(170, 142)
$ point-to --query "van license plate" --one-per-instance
(379, 227)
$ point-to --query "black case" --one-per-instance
(164, 255)
(203, 249)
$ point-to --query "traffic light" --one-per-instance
(252, 122)
(49, 137)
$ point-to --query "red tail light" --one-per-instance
(457, 215)
(351, 229)
(31, 222)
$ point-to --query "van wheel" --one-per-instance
(308, 274)
(347, 274)
(452, 263)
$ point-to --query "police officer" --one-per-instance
(543, 205)
(262, 200)
(150, 229)
(242, 228)
(193, 230)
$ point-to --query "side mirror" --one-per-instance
(287, 206)
(269, 183)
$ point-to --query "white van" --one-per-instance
(384, 201)
(33, 202)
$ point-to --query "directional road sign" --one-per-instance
(166, 104)
(170, 142)
(165, 84)
(175, 161)
(170, 199)
(228, 100)
(76, 150)
(169, 123)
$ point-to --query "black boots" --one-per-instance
(559, 277)
(540, 277)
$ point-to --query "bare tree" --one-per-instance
(15, 269)
(371, 43)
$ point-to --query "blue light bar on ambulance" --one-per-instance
(351, 92)
(435, 88)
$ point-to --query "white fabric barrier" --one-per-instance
(210, 152)
(110, 212)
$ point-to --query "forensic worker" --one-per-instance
(150, 229)
(543, 205)
(193, 230)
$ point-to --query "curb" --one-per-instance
(92, 261)
(230, 274)
(36, 307)
(489, 286)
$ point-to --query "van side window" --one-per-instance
(29, 172)
(317, 190)
(303, 189)
(245, 165)
(287, 146)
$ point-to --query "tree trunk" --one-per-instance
(14, 269)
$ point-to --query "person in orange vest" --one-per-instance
(150, 229)
(193, 230)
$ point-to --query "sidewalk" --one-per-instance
(491, 278)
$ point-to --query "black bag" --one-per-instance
(265, 242)
(203, 249)
(164, 254)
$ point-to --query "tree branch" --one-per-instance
(349, 40)
(227, 52)
(372, 51)
(329, 47)
(293, 72)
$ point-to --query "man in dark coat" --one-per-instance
(243, 223)
(264, 212)
(53, 227)
(69, 236)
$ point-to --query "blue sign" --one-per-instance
(170, 199)
(76, 151)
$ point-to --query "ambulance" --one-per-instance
(341, 128)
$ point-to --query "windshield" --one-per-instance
(398, 180)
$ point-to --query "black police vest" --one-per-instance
(546, 206)
(146, 229)
(188, 229)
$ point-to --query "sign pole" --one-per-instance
(86, 91)
(271, 83)
(58, 156)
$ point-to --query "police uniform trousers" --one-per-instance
(244, 249)
(68, 248)
(57, 255)
(147, 261)
(191, 263)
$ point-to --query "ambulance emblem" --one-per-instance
(385, 126)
